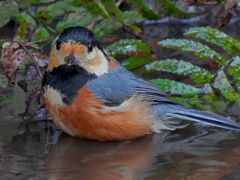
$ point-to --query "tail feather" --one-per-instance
(205, 118)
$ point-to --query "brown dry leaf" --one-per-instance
(41, 60)
(223, 16)
(13, 55)
(31, 72)
(31, 45)
(227, 11)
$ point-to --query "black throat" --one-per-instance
(68, 80)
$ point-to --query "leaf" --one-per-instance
(180, 67)
(23, 4)
(12, 56)
(106, 27)
(60, 8)
(143, 9)
(112, 9)
(216, 37)
(195, 48)
(213, 103)
(47, 14)
(135, 28)
(135, 62)
(131, 17)
(22, 28)
(170, 9)
(40, 35)
(28, 3)
(175, 88)
(81, 20)
(24, 20)
(7, 10)
(234, 71)
(29, 19)
(222, 84)
(42, 15)
(97, 8)
(32, 72)
(40, 59)
(184, 100)
(109, 8)
(77, 3)
(129, 47)
(226, 12)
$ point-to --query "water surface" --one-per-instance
(194, 153)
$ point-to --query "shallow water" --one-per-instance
(194, 153)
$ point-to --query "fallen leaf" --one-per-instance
(41, 60)
(12, 56)
(31, 71)
(226, 12)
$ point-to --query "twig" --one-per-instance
(34, 62)
(49, 28)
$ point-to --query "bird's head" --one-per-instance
(78, 46)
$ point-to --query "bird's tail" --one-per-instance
(205, 118)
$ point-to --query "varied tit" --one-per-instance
(90, 95)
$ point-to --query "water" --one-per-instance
(193, 153)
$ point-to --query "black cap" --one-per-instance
(78, 34)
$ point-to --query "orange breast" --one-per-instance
(87, 117)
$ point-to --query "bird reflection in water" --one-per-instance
(79, 159)
(172, 156)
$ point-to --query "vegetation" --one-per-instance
(224, 80)
(39, 22)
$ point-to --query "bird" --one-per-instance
(89, 94)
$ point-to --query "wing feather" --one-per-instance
(119, 85)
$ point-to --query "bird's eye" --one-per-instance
(90, 48)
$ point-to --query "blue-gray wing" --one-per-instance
(119, 84)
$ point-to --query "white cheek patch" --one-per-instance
(53, 96)
(91, 63)
(102, 68)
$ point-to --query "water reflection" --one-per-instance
(28, 156)
(188, 154)
(79, 159)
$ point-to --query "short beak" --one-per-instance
(70, 60)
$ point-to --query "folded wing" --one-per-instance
(119, 85)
